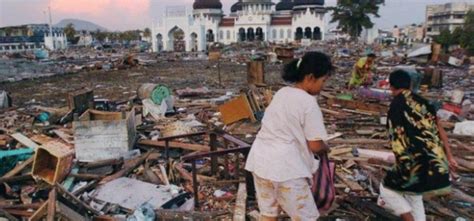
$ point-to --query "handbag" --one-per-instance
(323, 188)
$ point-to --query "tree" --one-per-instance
(100, 36)
(147, 33)
(354, 15)
(467, 40)
(70, 31)
(444, 38)
(456, 36)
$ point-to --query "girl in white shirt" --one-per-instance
(282, 157)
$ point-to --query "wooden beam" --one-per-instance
(18, 168)
(51, 205)
(358, 105)
(240, 203)
(354, 186)
(39, 213)
(15, 179)
(128, 167)
(236, 109)
(179, 145)
(25, 140)
(7, 215)
(359, 141)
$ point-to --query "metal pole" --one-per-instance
(195, 184)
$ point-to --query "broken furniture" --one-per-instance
(256, 72)
(100, 135)
(242, 147)
(52, 162)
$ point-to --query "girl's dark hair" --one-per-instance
(400, 79)
(315, 63)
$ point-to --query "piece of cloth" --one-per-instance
(398, 204)
(421, 165)
(293, 196)
(364, 74)
(280, 151)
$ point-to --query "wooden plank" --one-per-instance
(81, 100)
(51, 205)
(18, 168)
(255, 72)
(354, 186)
(18, 212)
(41, 138)
(7, 215)
(358, 105)
(240, 203)
(179, 145)
(236, 109)
(339, 151)
(359, 141)
(64, 136)
(127, 168)
(70, 213)
(25, 140)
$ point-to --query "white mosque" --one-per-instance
(249, 20)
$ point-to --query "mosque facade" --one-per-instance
(250, 20)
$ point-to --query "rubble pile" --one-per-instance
(162, 138)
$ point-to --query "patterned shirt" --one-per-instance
(421, 165)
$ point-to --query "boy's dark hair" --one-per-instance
(400, 79)
(316, 63)
(371, 55)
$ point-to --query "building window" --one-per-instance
(13, 47)
(274, 33)
(282, 34)
(221, 35)
(228, 34)
(288, 34)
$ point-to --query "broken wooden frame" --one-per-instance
(193, 157)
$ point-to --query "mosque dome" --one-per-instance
(284, 5)
(207, 4)
(236, 7)
(308, 2)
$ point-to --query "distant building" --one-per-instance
(445, 16)
(369, 35)
(29, 37)
(336, 34)
(409, 33)
(249, 20)
(84, 38)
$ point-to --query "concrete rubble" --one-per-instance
(116, 134)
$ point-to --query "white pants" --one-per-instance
(399, 204)
(293, 196)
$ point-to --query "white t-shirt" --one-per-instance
(280, 152)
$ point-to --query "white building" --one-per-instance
(250, 20)
(447, 16)
(31, 37)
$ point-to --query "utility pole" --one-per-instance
(51, 24)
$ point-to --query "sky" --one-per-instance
(138, 14)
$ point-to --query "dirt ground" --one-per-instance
(122, 84)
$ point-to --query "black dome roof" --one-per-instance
(207, 4)
(308, 2)
(284, 5)
(236, 7)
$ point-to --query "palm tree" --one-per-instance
(354, 15)
(147, 33)
(70, 31)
